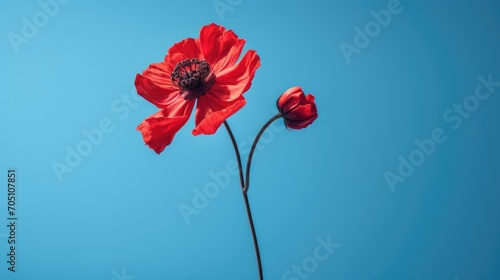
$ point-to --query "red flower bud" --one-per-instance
(297, 109)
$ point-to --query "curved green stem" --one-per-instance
(237, 152)
(254, 145)
(245, 198)
(244, 187)
(254, 235)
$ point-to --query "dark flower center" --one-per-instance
(193, 77)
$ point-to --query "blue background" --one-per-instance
(117, 212)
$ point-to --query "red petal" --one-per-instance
(187, 48)
(211, 112)
(302, 116)
(221, 48)
(154, 88)
(159, 129)
(155, 83)
(310, 98)
(232, 82)
(296, 90)
(302, 112)
(301, 124)
(291, 98)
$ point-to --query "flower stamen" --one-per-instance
(193, 77)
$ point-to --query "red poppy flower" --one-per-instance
(297, 109)
(201, 72)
